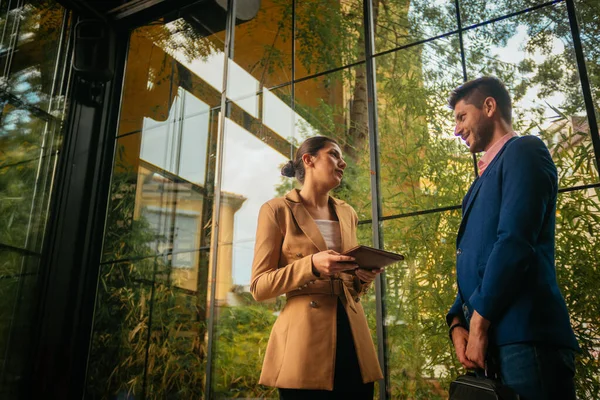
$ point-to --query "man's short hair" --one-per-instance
(477, 90)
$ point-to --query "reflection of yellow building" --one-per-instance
(230, 203)
(174, 211)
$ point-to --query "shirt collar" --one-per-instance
(493, 151)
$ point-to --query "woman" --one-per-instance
(320, 346)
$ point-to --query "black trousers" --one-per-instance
(347, 381)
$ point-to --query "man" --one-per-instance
(508, 307)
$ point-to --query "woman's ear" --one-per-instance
(307, 159)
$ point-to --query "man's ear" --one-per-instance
(489, 106)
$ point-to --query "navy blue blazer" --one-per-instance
(505, 249)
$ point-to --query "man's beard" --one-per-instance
(483, 134)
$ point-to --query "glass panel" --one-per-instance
(368, 298)
(401, 22)
(158, 185)
(32, 86)
(258, 141)
(423, 166)
(418, 293)
(277, 114)
(540, 71)
(587, 17)
(335, 105)
(577, 247)
(179, 145)
(247, 184)
(365, 237)
(27, 144)
(262, 56)
(263, 46)
(120, 335)
(16, 203)
(475, 11)
(29, 43)
(420, 290)
(242, 87)
(152, 304)
(329, 34)
(165, 84)
(22, 134)
(25, 202)
(18, 301)
(29, 124)
(241, 337)
(175, 349)
(365, 233)
(251, 176)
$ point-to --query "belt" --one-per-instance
(334, 287)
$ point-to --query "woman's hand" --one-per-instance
(329, 263)
(368, 275)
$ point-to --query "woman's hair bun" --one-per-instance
(288, 169)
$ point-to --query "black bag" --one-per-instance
(471, 387)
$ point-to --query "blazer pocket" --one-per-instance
(296, 251)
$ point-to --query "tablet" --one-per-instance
(371, 258)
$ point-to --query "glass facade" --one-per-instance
(212, 107)
(33, 88)
(174, 287)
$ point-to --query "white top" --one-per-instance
(330, 230)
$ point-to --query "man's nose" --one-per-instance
(457, 130)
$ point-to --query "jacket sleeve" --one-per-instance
(529, 187)
(269, 281)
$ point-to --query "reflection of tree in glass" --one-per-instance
(24, 93)
(34, 31)
(126, 352)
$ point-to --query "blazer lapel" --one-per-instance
(470, 196)
(345, 220)
(474, 189)
(304, 220)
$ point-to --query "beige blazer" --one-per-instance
(301, 349)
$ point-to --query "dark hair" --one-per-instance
(476, 91)
(310, 146)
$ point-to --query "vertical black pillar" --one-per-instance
(73, 245)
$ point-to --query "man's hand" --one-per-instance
(477, 341)
(460, 338)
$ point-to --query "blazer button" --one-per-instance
(458, 252)
(314, 304)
